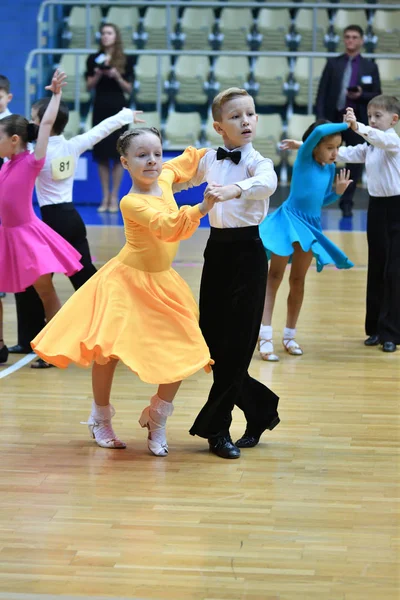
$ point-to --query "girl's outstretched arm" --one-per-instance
(46, 124)
(306, 149)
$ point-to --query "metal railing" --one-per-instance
(41, 52)
(49, 7)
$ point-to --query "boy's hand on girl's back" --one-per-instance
(57, 82)
(222, 193)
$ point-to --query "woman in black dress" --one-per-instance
(109, 73)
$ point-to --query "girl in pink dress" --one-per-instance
(30, 251)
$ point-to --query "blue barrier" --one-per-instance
(87, 188)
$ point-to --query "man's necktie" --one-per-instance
(234, 156)
(341, 103)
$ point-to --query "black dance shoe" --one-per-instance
(372, 340)
(251, 437)
(3, 354)
(18, 349)
(41, 364)
(222, 446)
(389, 347)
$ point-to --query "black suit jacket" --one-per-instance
(331, 82)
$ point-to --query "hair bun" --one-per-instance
(32, 132)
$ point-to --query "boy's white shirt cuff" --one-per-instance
(363, 129)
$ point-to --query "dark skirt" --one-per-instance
(106, 106)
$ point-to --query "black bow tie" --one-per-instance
(234, 156)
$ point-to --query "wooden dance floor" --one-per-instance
(311, 513)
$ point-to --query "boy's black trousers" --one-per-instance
(232, 297)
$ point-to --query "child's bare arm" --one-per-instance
(46, 124)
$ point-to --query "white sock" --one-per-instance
(289, 334)
(102, 413)
(266, 332)
(160, 410)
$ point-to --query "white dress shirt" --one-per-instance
(55, 181)
(5, 113)
(381, 158)
(254, 175)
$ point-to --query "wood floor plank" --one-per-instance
(311, 513)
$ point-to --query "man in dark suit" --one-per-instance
(348, 80)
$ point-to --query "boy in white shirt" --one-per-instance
(54, 187)
(382, 165)
(234, 275)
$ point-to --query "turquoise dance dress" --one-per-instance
(298, 219)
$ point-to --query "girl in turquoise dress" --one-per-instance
(293, 233)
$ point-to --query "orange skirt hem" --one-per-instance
(91, 355)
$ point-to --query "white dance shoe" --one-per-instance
(101, 430)
(156, 439)
(265, 344)
(292, 347)
(266, 348)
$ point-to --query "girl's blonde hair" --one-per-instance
(125, 139)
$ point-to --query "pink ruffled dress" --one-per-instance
(28, 247)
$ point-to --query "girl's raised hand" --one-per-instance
(135, 118)
(290, 145)
(207, 204)
(57, 83)
(342, 181)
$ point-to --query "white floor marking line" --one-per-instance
(16, 366)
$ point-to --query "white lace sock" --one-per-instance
(102, 413)
(160, 410)
(100, 426)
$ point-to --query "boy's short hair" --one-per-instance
(62, 116)
(224, 97)
(390, 104)
(5, 84)
(357, 28)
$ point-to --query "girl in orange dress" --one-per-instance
(137, 309)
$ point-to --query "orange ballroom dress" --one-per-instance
(137, 308)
